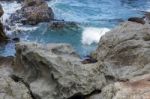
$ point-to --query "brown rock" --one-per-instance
(33, 12)
(135, 88)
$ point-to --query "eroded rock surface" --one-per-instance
(135, 88)
(54, 71)
(9, 89)
(124, 52)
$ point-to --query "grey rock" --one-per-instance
(9, 89)
(124, 52)
(54, 71)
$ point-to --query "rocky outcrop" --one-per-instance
(10, 89)
(124, 52)
(33, 12)
(54, 71)
(123, 55)
(3, 36)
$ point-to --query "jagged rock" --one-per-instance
(33, 12)
(12, 90)
(124, 52)
(136, 88)
(54, 71)
(9, 89)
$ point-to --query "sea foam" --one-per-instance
(92, 35)
(9, 8)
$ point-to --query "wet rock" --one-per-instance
(1, 10)
(124, 52)
(16, 39)
(54, 71)
(33, 12)
(3, 36)
(88, 60)
(62, 24)
(137, 20)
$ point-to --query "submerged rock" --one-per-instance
(124, 52)
(33, 12)
(62, 24)
(54, 71)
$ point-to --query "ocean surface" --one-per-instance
(94, 18)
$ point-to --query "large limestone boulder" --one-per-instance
(33, 12)
(124, 52)
(54, 71)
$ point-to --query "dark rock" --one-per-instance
(137, 20)
(16, 39)
(1, 10)
(3, 36)
(62, 24)
(33, 12)
(88, 60)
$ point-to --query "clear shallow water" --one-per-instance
(95, 14)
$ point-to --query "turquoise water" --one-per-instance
(87, 13)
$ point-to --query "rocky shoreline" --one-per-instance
(55, 71)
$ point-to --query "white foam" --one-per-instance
(9, 8)
(92, 35)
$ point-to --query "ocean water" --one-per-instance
(94, 18)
